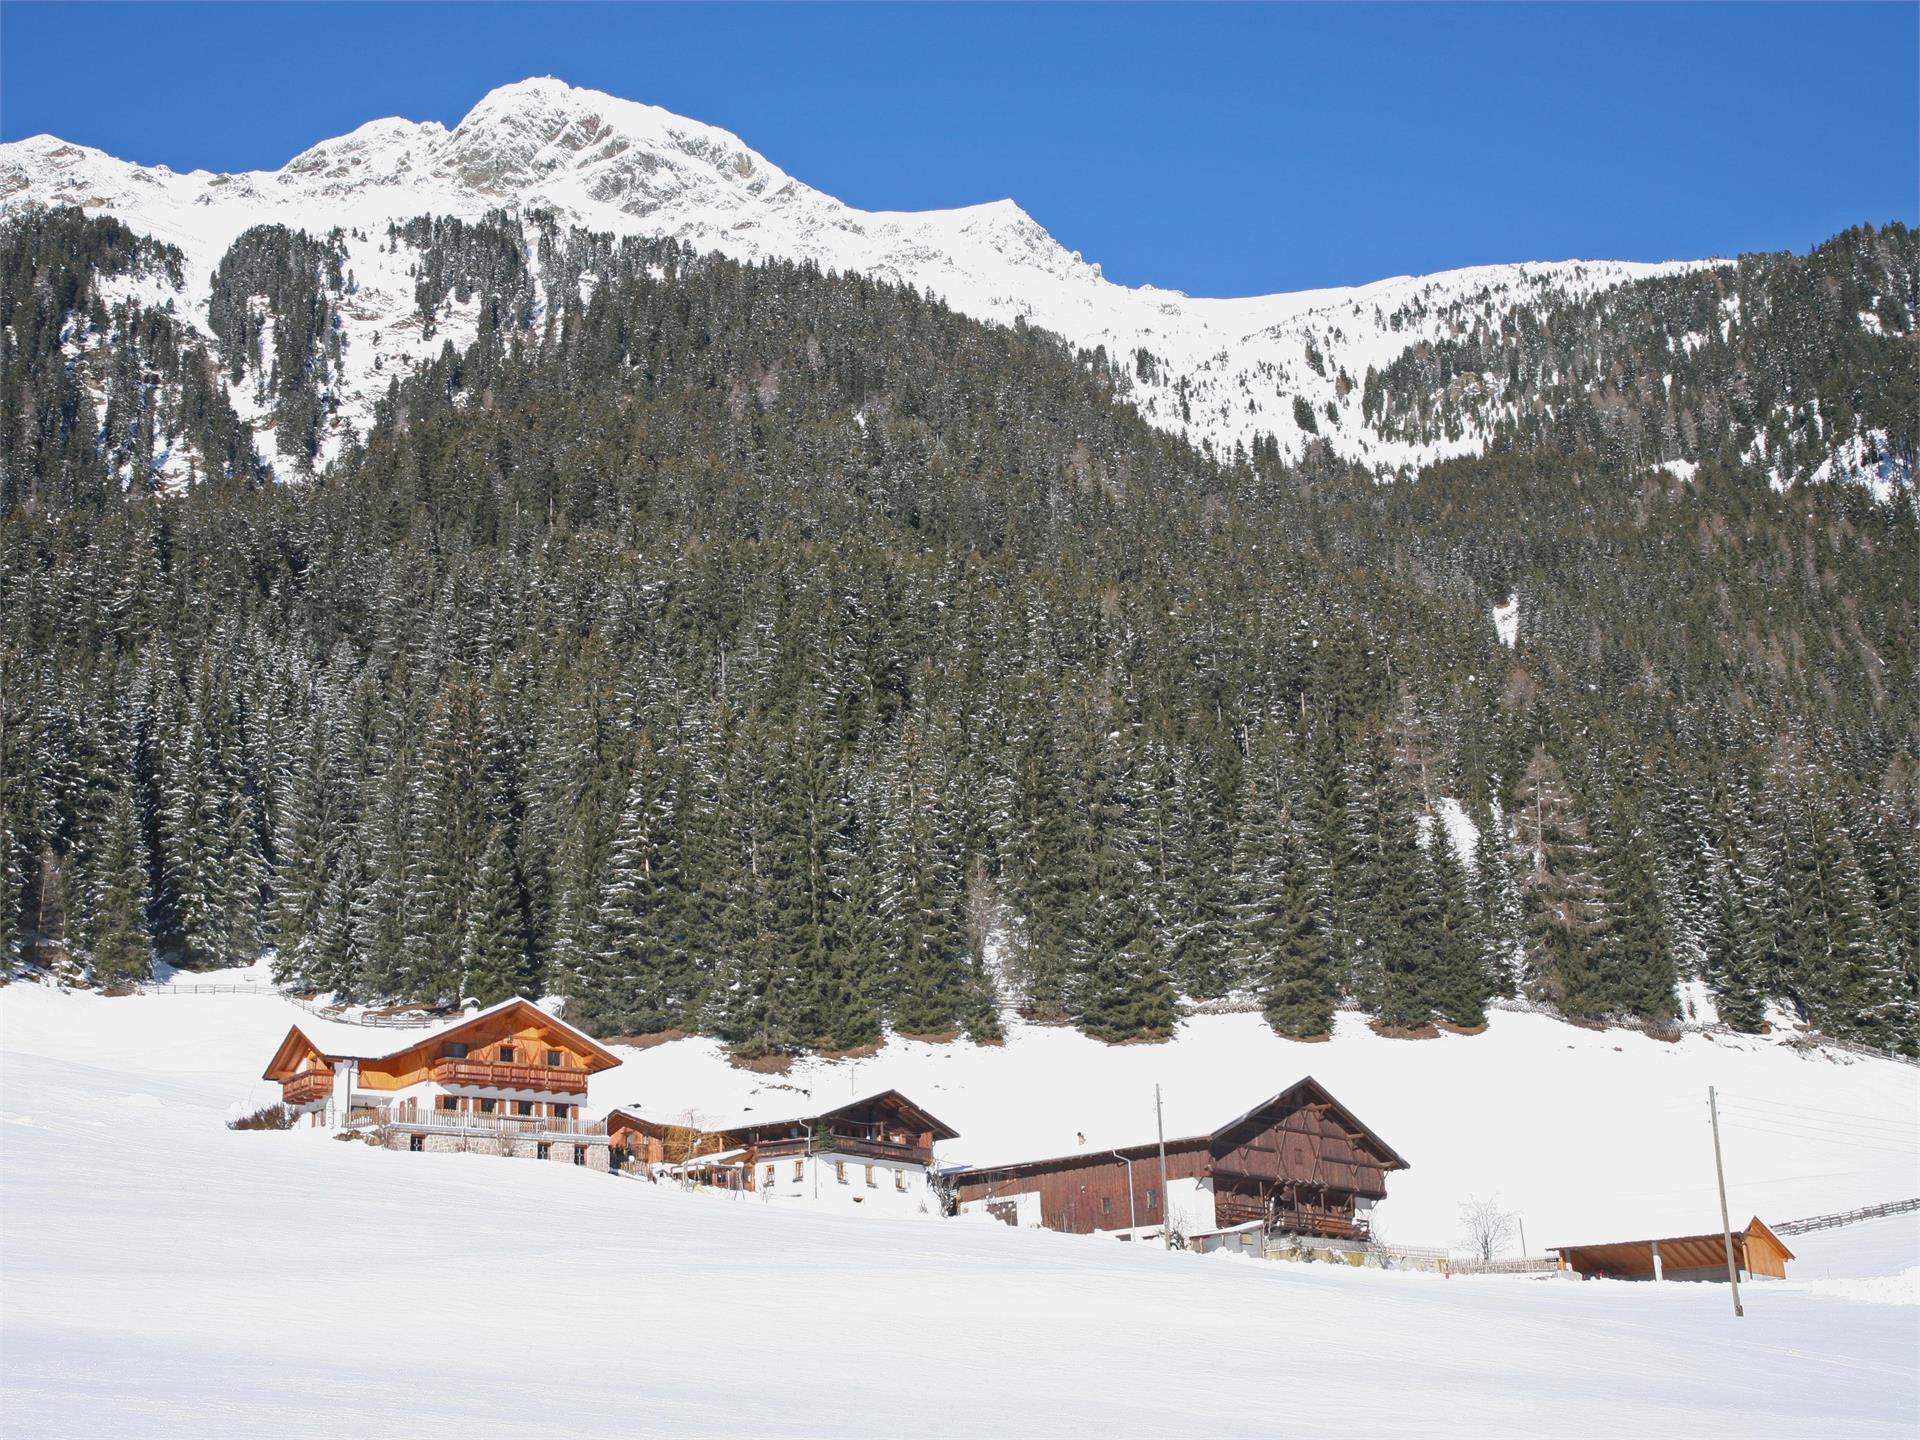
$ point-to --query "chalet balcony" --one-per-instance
(1328, 1224)
(306, 1088)
(487, 1074)
(465, 1122)
(859, 1146)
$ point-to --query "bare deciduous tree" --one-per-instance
(1485, 1227)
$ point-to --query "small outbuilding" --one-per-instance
(1756, 1251)
(875, 1152)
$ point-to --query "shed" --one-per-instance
(1756, 1250)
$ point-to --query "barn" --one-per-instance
(1297, 1163)
(1756, 1250)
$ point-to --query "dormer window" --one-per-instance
(506, 1054)
(456, 1051)
(553, 1059)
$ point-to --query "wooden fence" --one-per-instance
(1531, 1265)
(390, 1022)
(1845, 1217)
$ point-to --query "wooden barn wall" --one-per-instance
(1092, 1195)
(1308, 1146)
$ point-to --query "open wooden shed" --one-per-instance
(1756, 1251)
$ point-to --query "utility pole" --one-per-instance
(1166, 1208)
(1522, 1221)
(1726, 1224)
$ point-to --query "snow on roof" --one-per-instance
(343, 1040)
(745, 1119)
(718, 1158)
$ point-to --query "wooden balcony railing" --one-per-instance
(540, 1127)
(837, 1144)
(488, 1074)
(1315, 1222)
(306, 1088)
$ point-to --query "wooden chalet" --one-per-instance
(1298, 1163)
(509, 1070)
(877, 1151)
(1756, 1251)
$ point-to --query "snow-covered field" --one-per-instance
(161, 1275)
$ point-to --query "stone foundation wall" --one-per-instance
(518, 1147)
(562, 1154)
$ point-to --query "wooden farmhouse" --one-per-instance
(875, 1152)
(510, 1079)
(1756, 1251)
(1300, 1163)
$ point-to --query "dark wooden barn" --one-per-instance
(1300, 1162)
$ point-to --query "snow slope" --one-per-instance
(1223, 369)
(164, 1276)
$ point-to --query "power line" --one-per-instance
(1910, 1122)
(1818, 1130)
(1826, 1127)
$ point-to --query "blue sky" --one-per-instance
(1217, 149)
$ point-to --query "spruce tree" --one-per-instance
(1638, 958)
(1298, 991)
(1496, 905)
(122, 952)
(1562, 912)
(1120, 992)
(1461, 985)
(494, 958)
(639, 977)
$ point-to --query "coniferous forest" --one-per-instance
(779, 655)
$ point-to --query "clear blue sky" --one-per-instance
(1217, 149)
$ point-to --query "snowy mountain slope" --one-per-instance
(1219, 371)
(166, 1276)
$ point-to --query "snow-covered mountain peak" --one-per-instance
(544, 133)
(377, 153)
(1218, 371)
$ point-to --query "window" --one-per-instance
(506, 1054)
(840, 1171)
(416, 1143)
(449, 1102)
(456, 1051)
(900, 1180)
(562, 1112)
(873, 1178)
(579, 1154)
(486, 1106)
(523, 1107)
(1106, 1205)
(553, 1059)
(543, 1151)
(767, 1179)
(799, 1170)
(1153, 1197)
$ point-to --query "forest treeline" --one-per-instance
(783, 656)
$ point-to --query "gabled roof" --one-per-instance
(339, 1040)
(749, 1120)
(1319, 1093)
(1323, 1096)
(1754, 1227)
